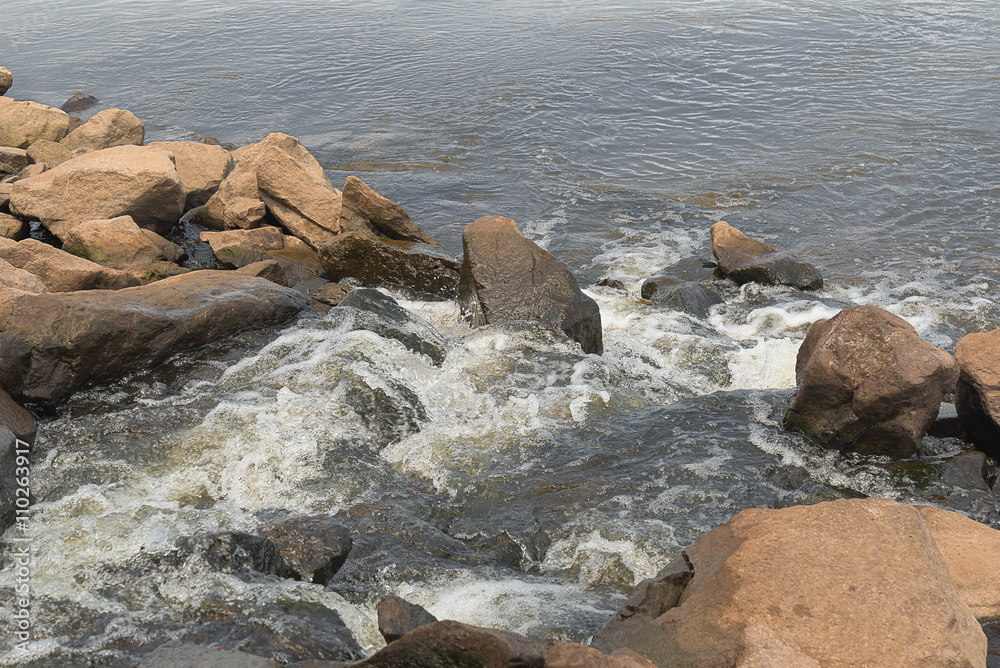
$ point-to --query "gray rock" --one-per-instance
(313, 547)
(369, 309)
(79, 102)
(189, 655)
(690, 297)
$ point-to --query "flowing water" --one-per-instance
(518, 484)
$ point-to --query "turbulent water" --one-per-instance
(519, 484)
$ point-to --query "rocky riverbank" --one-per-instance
(117, 255)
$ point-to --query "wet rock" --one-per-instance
(747, 260)
(106, 129)
(6, 80)
(122, 181)
(364, 210)
(313, 547)
(18, 419)
(238, 248)
(506, 277)
(376, 261)
(61, 271)
(450, 643)
(189, 655)
(872, 565)
(13, 160)
(977, 397)
(389, 410)
(304, 206)
(13, 455)
(330, 293)
(868, 383)
(48, 153)
(763, 647)
(118, 243)
(19, 279)
(573, 655)
(369, 309)
(397, 617)
(612, 283)
(13, 228)
(235, 552)
(269, 269)
(947, 424)
(79, 102)
(52, 344)
(201, 167)
(22, 123)
(690, 297)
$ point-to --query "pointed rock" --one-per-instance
(363, 209)
(747, 260)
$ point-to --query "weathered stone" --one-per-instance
(330, 293)
(371, 260)
(14, 158)
(5, 195)
(364, 210)
(868, 382)
(238, 248)
(369, 309)
(51, 344)
(189, 655)
(22, 123)
(79, 102)
(506, 277)
(269, 269)
(122, 181)
(108, 128)
(19, 279)
(304, 206)
(691, 297)
(313, 547)
(235, 552)
(61, 271)
(17, 418)
(48, 153)
(397, 617)
(747, 260)
(32, 170)
(301, 264)
(117, 242)
(6, 80)
(763, 647)
(12, 227)
(977, 397)
(201, 167)
(449, 643)
(855, 582)
(573, 655)
(170, 251)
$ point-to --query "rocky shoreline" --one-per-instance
(116, 255)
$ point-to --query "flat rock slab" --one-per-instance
(747, 260)
(54, 344)
(22, 123)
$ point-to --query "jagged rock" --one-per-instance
(19, 279)
(13, 228)
(61, 271)
(747, 260)
(48, 153)
(369, 309)
(977, 397)
(330, 293)
(691, 297)
(313, 547)
(122, 181)
(304, 206)
(14, 159)
(397, 617)
(238, 248)
(364, 210)
(22, 123)
(106, 129)
(52, 344)
(235, 552)
(868, 382)
(449, 643)
(506, 277)
(79, 102)
(6, 80)
(370, 260)
(189, 655)
(573, 655)
(763, 647)
(201, 167)
(269, 269)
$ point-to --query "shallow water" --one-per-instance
(521, 484)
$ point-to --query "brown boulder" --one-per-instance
(304, 206)
(61, 271)
(52, 344)
(48, 153)
(854, 582)
(747, 260)
(238, 248)
(506, 277)
(364, 210)
(573, 655)
(122, 181)
(13, 160)
(397, 617)
(269, 269)
(868, 382)
(977, 397)
(330, 294)
(313, 547)
(121, 244)
(763, 647)
(22, 123)
(6, 80)
(201, 167)
(12, 227)
(108, 128)
(19, 279)
(450, 643)
(5, 187)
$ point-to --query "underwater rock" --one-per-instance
(364, 210)
(397, 617)
(78, 102)
(61, 271)
(235, 552)
(370, 309)
(201, 168)
(22, 123)
(106, 129)
(451, 643)
(177, 654)
(869, 383)
(690, 297)
(747, 260)
(313, 547)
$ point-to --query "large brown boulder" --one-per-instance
(977, 397)
(111, 127)
(48, 153)
(304, 206)
(854, 582)
(449, 643)
(506, 277)
(238, 248)
(121, 244)
(51, 344)
(122, 181)
(364, 210)
(22, 123)
(19, 279)
(377, 261)
(747, 260)
(868, 382)
(573, 655)
(201, 167)
(13, 160)
(61, 271)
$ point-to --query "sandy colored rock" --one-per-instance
(13, 228)
(32, 170)
(449, 643)
(201, 167)
(122, 181)
(304, 206)
(6, 80)
(330, 294)
(363, 209)
(747, 260)
(61, 271)
(238, 248)
(170, 251)
(121, 244)
(49, 153)
(19, 279)
(14, 159)
(506, 277)
(269, 269)
(977, 397)
(108, 128)
(869, 383)
(22, 123)
(573, 655)
(54, 344)
(763, 647)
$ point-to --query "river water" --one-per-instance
(519, 484)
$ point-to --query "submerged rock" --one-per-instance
(22, 123)
(177, 655)
(747, 260)
(364, 210)
(78, 102)
(869, 383)
(690, 297)
(313, 547)
(235, 552)
(397, 617)
(106, 129)
(201, 168)
(977, 397)
(369, 309)
(506, 277)
(450, 643)
(61, 271)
